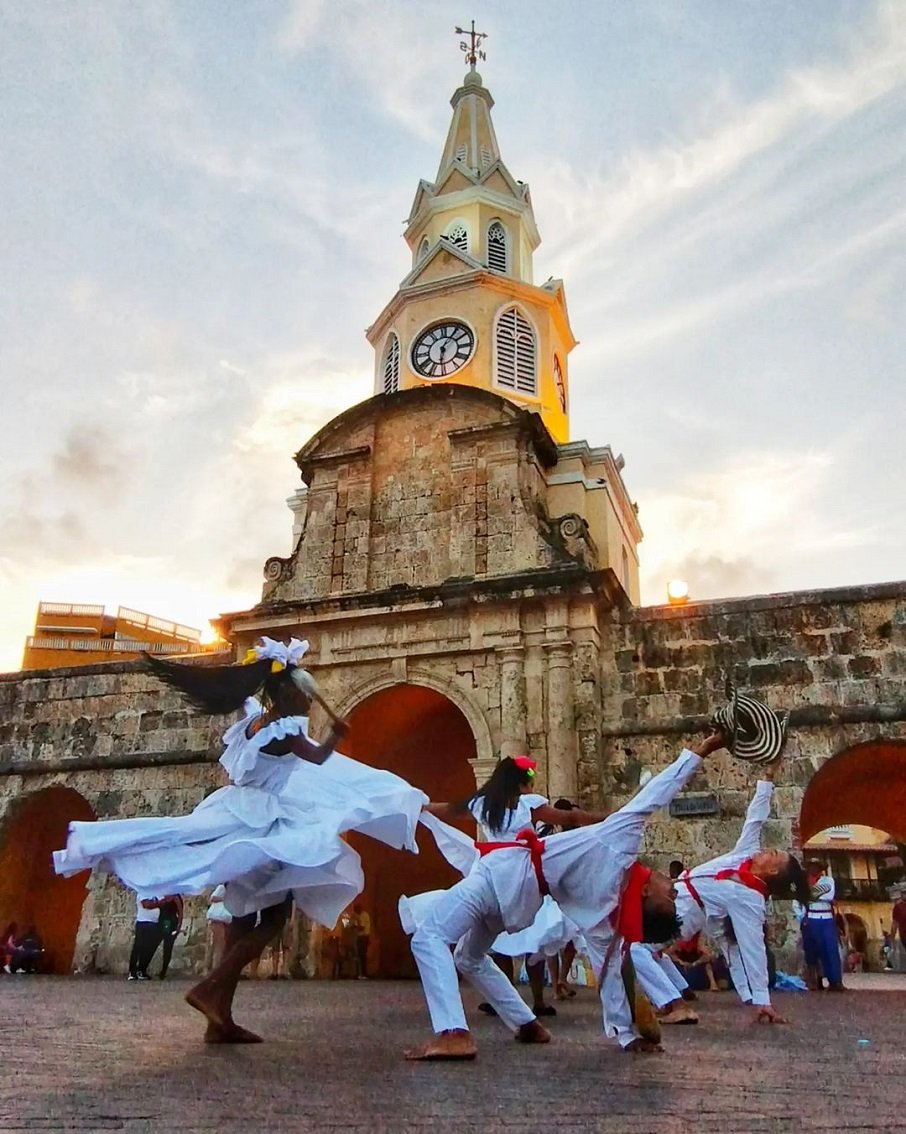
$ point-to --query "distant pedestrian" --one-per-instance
(363, 938)
(146, 938)
(172, 909)
(819, 931)
(898, 929)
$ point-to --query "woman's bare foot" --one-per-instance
(233, 1034)
(454, 1044)
(533, 1032)
(211, 1006)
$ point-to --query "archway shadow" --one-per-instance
(864, 784)
(30, 892)
(423, 737)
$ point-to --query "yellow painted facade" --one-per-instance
(463, 276)
(75, 634)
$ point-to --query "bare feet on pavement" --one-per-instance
(451, 1045)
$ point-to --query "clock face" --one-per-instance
(442, 349)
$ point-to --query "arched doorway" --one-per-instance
(420, 735)
(864, 784)
(30, 892)
(853, 822)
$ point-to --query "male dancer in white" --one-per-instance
(736, 886)
(593, 873)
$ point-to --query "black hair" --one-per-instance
(218, 689)
(675, 868)
(500, 793)
(660, 925)
(790, 883)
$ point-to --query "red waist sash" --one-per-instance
(525, 840)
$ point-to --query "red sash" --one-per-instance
(743, 873)
(627, 917)
(526, 840)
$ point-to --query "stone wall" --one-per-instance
(130, 748)
(836, 659)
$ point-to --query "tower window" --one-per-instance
(560, 382)
(516, 353)
(391, 368)
(497, 247)
(423, 249)
(461, 153)
(485, 156)
(459, 236)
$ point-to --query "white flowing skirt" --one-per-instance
(262, 843)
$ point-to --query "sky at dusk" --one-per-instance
(202, 209)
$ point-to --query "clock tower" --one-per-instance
(468, 311)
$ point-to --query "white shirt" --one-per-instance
(729, 898)
(821, 908)
(142, 914)
(217, 911)
(514, 820)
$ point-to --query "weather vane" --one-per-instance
(471, 47)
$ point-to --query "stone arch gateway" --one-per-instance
(30, 892)
(865, 783)
(421, 735)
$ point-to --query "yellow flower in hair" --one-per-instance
(250, 657)
(277, 666)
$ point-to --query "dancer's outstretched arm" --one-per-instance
(306, 749)
(544, 813)
(749, 841)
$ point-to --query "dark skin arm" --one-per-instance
(543, 814)
(305, 749)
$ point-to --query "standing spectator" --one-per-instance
(898, 930)
(7, 945)
(886, 950)
(363, 937)
(819, 930)
(147, 937)
(218, 917)
(169, 924)
(675, 869)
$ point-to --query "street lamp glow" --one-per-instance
(677, 592)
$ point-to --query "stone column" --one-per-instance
(561, 721)
(512, 700)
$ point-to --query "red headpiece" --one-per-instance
(526, 763)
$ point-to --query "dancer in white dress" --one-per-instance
(502, 807)
(272, 835)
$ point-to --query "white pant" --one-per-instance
(660, 979)
(469, 914)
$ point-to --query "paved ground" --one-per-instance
(91, 1054)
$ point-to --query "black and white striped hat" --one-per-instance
(755, 732)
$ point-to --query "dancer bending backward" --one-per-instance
(502, 807)
(592, 872)
(736, 886)
(272, 835)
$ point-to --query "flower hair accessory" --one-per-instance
(526, 764)
(281, 655)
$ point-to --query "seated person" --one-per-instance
(27, 952)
